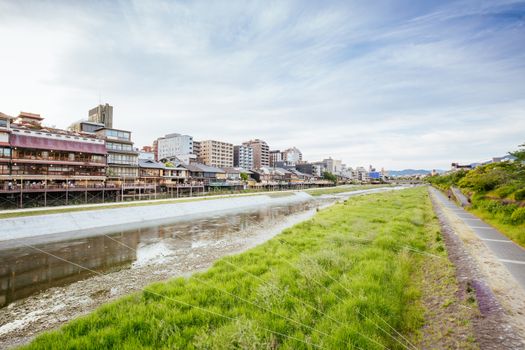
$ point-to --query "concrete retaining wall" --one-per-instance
(39, 225)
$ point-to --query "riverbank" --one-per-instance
(13, 213)
(348, 278)
(85, 222)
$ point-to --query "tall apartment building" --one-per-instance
(261, 153)
(243, 157)
(102, 114)
(174, 145)
(216, 153)
(122, 158)
(275, 157)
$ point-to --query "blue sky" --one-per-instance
(391, 83)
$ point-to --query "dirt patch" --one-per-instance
(482, 282)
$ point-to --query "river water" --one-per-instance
(28, 269)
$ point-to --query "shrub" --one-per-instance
(519, 195)
(505, 190)
(518, 215)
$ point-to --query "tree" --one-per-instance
(520, 153)
(244, 177)
(330, 177)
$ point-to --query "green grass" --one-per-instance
(353, 264)
(515, 232)
(340, 189)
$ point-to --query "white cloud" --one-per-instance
(394, 85)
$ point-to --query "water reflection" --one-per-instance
(25, 271)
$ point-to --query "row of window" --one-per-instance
(5, 152)
(131, 172)
(49, 170)
(52, 155)
(122, 135)
(122, 159)
(118, 146)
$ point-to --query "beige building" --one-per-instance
(216, 153)
(102, 114)
(261, 153)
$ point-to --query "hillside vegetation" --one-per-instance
(350, 278)
(496, 191)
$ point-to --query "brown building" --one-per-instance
(216, 153)
(261, 153)
(33, 156)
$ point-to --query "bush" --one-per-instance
(519, 195)
(518, 216)
(505, 190)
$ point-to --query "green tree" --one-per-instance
(520, 153)
(330, 177)
(244, 177)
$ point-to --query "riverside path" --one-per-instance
(510, 254)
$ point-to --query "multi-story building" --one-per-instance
(86, 127)
(174, 145)
(216, 153)
(243, 157)
(261, 153)
(102, 114)
(333, 166)
(34, 156)
(292, 156)
(122, 158)
(276, 156)
(314, 169)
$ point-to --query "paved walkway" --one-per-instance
(506, 251)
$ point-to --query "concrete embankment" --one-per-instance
(53, 224)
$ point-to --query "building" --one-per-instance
(313, 169)
(122, 158)
(174, 145)
(332, 165)
(243, 157)
(276, 156)
(216, 153)
(292, 156)
(261, 153)
(36, 157)
(86, 127)
(102, 114)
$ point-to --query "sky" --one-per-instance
(395, 84)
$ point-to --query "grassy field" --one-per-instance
(350, 278)
(341, 189)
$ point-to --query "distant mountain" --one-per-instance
(410, 172)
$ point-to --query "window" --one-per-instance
(5, 152)
(3, 123)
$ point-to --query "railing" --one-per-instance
(58, 159)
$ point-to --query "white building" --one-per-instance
(333, 166)
(174, 145)
(292, 156)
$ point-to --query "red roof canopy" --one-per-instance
(26, 141)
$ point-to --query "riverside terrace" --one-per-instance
(44, 166)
